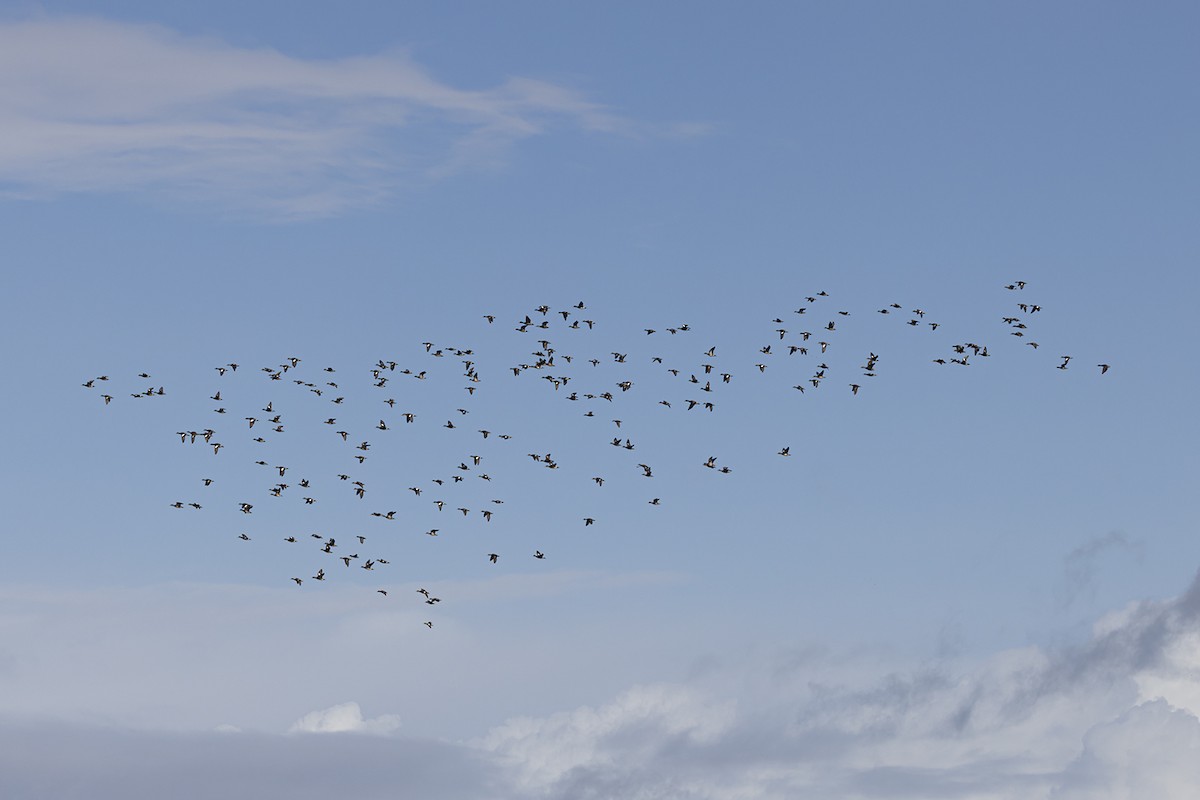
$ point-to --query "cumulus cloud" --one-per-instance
(93, 105)
(1115, 717)
(344, 718)
(1152, 750)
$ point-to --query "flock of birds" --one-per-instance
(257, 427)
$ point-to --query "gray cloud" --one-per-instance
(71, 762)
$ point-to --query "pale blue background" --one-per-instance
(927, 153)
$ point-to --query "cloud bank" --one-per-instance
(89, 105)
(67, 762)
(1113, 717)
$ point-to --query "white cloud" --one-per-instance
(1152, 750)
(541, 751)
(1112, 718)
(344, 718)
(92, 105)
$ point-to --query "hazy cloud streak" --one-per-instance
(91, 105)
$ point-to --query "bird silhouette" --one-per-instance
(563, 376)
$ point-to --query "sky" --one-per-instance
(965, 581)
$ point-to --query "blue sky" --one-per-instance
(186, 186)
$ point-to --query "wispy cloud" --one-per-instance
(1079, 566)
(118, 655)
(92, 105)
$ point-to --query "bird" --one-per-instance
(553, 367)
